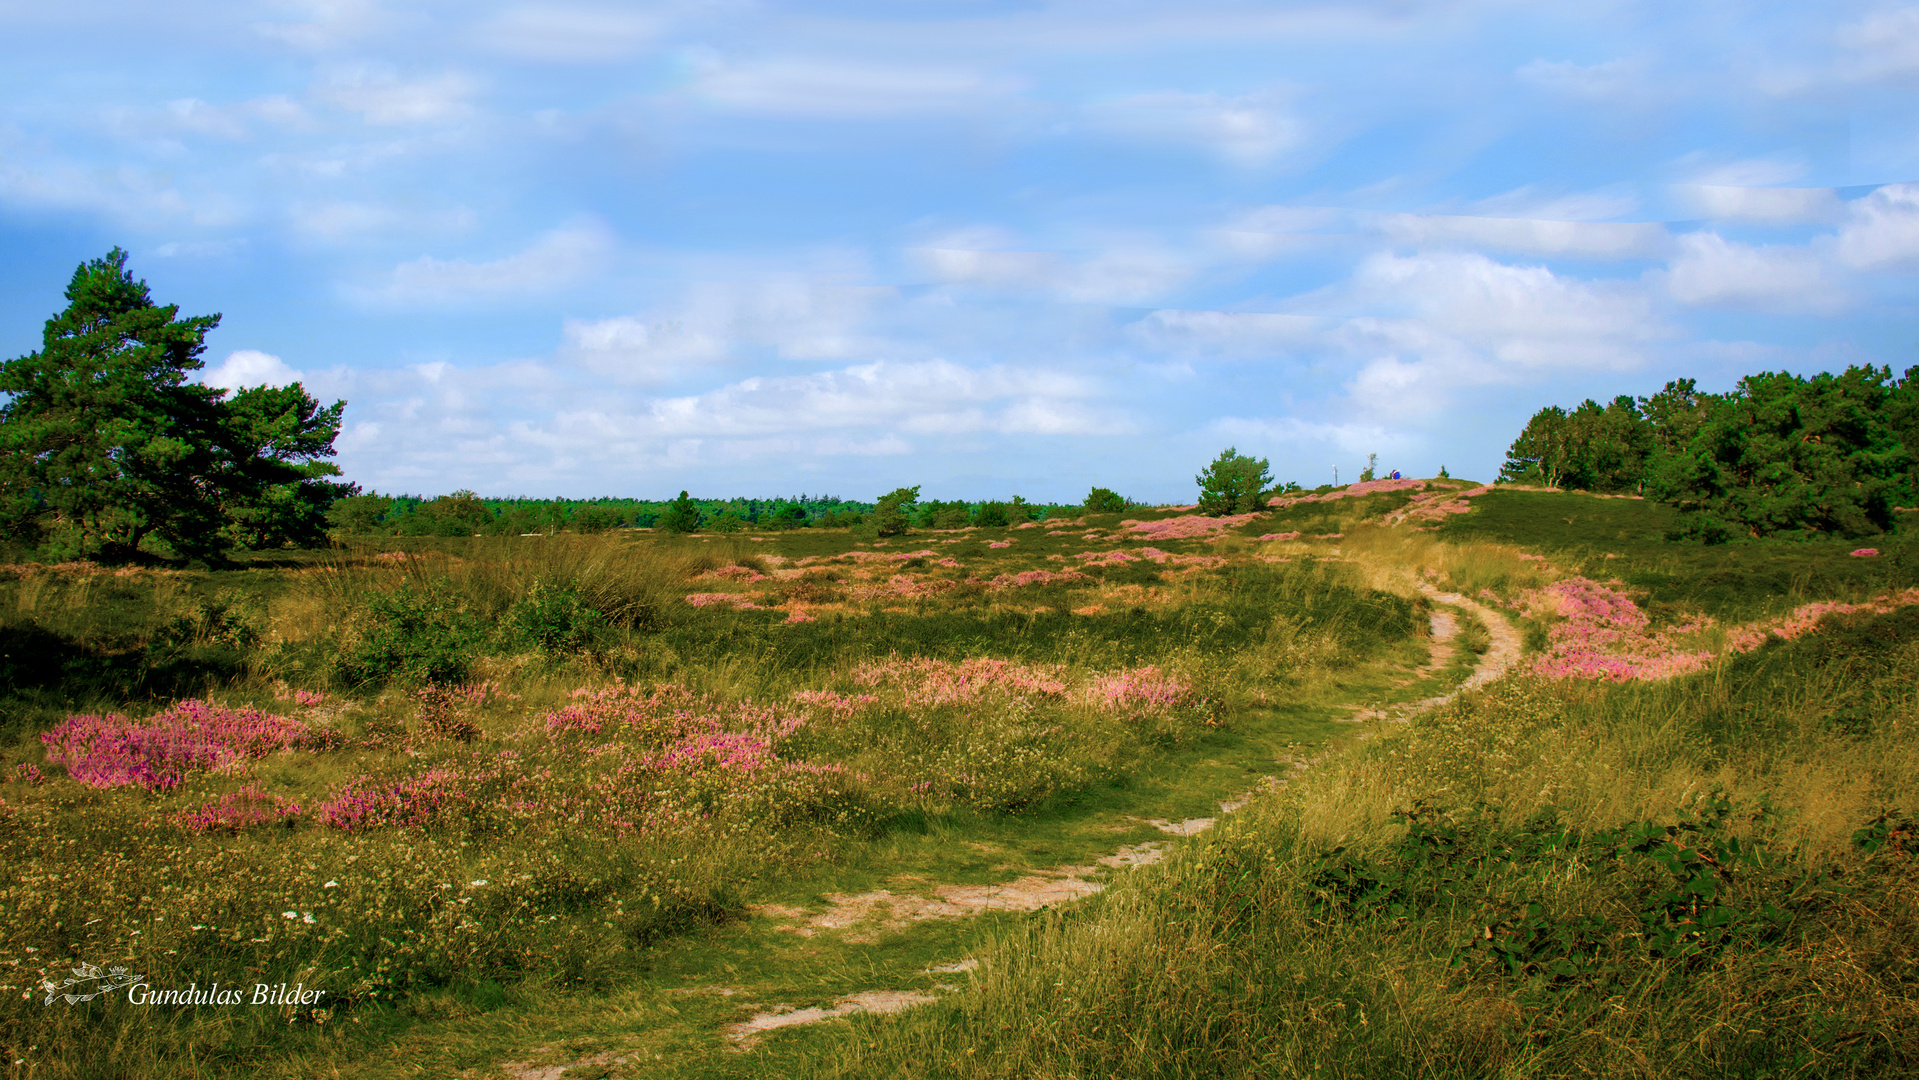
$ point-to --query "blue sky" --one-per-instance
(985, 247)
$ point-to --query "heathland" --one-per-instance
(1408, 778)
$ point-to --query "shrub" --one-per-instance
(553, 620)
(1105, 501)
(410, 635)
(889, 517)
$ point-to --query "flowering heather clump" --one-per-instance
(238, 810)
(800, 615)
(949, 562)
(1146, 687)
(113, 751)
(733, 750)
(1865, 553)
(999, 543)
(664, 714)
(416, 801)
(943, 682)
(734, 573)
(308, 697)
(1191, 527)
(1604, 635)
(1113, 557)
(902, 556)
(1435, 505)
(1294, 535)
(30, 774)
(704, 599)
(841, 706)
(1351, 491)
(1031, 577)
(1806, 616)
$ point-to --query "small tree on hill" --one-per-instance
(1232, 483)
(889, 517)
(1104, 501)
(681, 515)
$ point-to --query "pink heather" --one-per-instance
(704, 599)
(156, 753)
(1146, 686)
(1191, 527)
(944, 682)
(1865, 553)
(1351, 491)
(238, 810)
(1000, 544)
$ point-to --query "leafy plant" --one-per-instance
(553, 620)
(411, 635)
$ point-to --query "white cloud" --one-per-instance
(250, 367)
(1884, 44)
(1763, 205)
(1248, 131)
(1227, 332)
(1121, 273)
(1525, 315)
(1882, 229)
(842, 89)
(1591, 239)
(1711, 270)
(555, 260)
(1612, 80)
(566, 33)
(929, 397)
(382, 97)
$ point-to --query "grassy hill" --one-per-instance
(1139, 795)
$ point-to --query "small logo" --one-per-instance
(92, 980)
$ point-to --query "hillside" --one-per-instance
(1411, 778)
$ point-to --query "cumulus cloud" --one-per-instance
(250, 367)
(1881, 230)
(1711, 270)
(1251, 131)
(555, 260)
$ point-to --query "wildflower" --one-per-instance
(481, 881)
(307, 917)
(331, 885)
(289, 914)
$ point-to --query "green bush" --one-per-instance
(553, 620)
(413, 636)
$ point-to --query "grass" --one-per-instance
(1499, 887)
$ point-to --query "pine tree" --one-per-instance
(1232, 483)
(103, 441)
(681, 515)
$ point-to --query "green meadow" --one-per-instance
(1122, 794)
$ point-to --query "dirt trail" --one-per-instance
(862, 917)
(1499, 659)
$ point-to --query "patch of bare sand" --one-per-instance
(747, 1032)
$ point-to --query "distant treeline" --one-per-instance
(1778, 454)
(464, 513)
